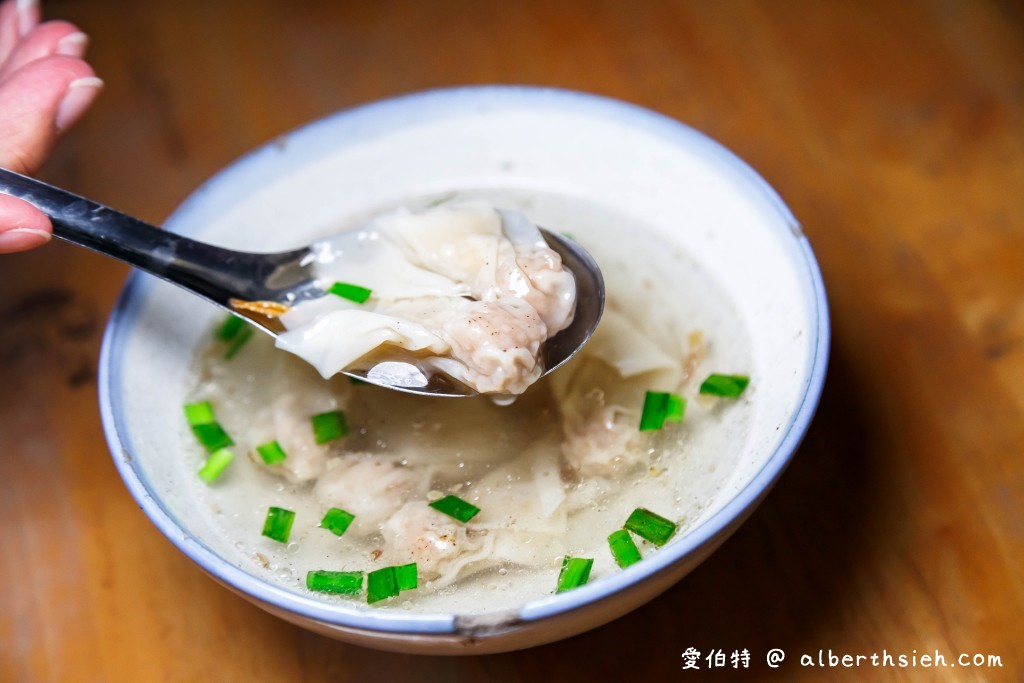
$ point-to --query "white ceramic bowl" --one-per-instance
(658, 172)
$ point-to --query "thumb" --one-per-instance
(22, 226)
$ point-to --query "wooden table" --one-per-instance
(894, 130)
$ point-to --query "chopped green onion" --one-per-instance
(387, 582)
(205, 426)
(212, 436)
(238, 342)
(623, 548)
(215, 464)
(406, 576)
(676, 408)
(381, 584)
(337, 521)
(453, 506)
(329, 426)
(574, 573)
(278, 524)
(727, 386)
(233, 330)
(200, 413)
(350, 292)
(230, 327)
(650, 526)
(345, 583)
(659, 407)
(356, 380)
(271, 452)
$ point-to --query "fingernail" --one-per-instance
(28, 15)
(72, 45)
(20, 239)
(79, 96)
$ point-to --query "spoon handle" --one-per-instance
(212, 272)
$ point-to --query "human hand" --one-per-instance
(45, 86)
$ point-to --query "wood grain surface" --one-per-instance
(895, 132)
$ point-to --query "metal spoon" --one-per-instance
(230, 279)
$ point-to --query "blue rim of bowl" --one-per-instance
(303, 145)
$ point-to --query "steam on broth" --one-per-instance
(553, 474)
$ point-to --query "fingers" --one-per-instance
(44, 84)
(22, 226)
(17, 18)
(9, 32)
(44, 88)
(51, 38)
(37, 102)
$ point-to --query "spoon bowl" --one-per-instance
(259, 287)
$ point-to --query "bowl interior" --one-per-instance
(570, 161)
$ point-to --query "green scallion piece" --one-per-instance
(676, 408)
(574, 573)
(271, 452)
(231, 326)
(215, 464)
(343, 583)
(356, 380)
(453, 506)
(660, 406)
(200, 413)
(204, 425)
(381, 584)
(726, 386)
(406, 576)
(212, 436)
(350, 292)
(238, 342)
(278, 524)
(623, 548)
(337, 521)
(329, 426)
(650, 526)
